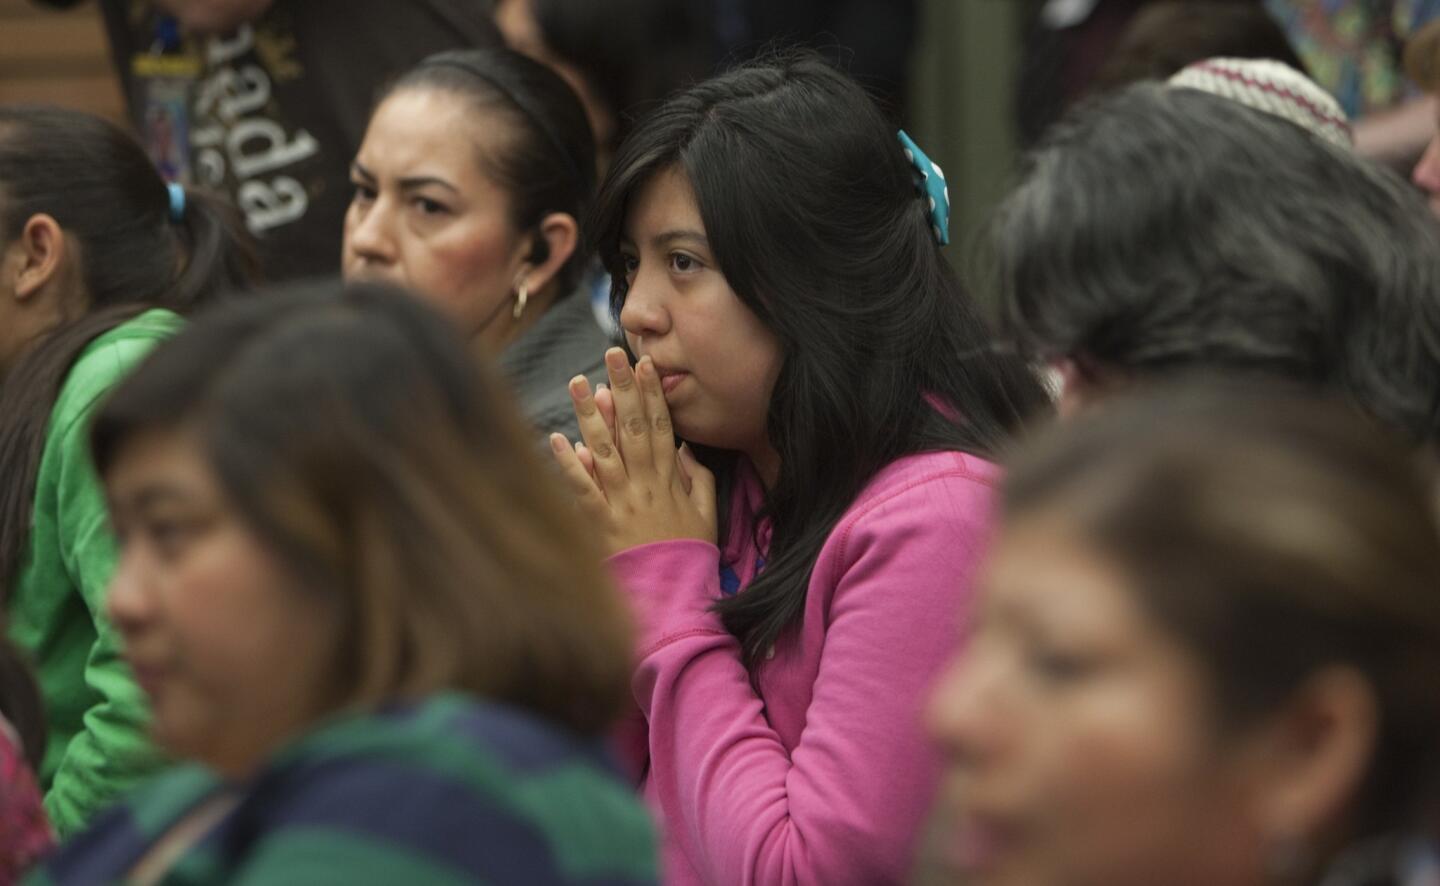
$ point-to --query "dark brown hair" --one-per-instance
(1274, 535)
(353, 433)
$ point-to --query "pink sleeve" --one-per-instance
(847, 805)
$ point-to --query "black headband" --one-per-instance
(515, 99)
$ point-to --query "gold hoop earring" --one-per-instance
(522, 295)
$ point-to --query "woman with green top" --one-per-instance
(99, 259)
(382, 645)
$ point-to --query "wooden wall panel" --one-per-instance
(57, 56)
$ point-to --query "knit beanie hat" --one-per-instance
(1272, 87)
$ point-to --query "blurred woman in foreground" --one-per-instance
(354, 602)
(1208, 652)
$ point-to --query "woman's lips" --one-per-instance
(150, 677)
(670, 380)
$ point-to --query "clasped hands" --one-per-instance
(629, 479)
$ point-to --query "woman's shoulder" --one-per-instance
(910, 541)
(565, 343)
(466, 728)
(145, 330)
(447, 789)
(474, 785)
(567, 338)
(108, 359)
(941, 500)
(115, 840)
(924, 476)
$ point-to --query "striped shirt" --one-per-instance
(445, 791)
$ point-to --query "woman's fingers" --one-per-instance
(657, 417)
(632, 429)
(609, 467)
(627, 462)
(587, 460)
(702, 488)
(682, 475)
(605, 402)
(587, 494)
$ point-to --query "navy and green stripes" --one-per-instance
(446, 791)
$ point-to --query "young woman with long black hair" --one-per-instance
(798, 564)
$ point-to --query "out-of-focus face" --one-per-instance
(425, 216)
(1079, 739)
(717, 361)
(235, 657)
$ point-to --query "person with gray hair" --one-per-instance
(1164, 229)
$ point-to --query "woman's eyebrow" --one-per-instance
(408, 183)
(662, 240)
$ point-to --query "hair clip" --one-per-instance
(177, 202)
(933, 188)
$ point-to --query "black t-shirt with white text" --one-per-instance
(276, 111)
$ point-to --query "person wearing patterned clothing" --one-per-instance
(1352, 48)
(381, 645)
(473, 790)
(25, 835)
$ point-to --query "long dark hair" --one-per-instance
(547, 163)
(354, 434)
(1273, 535)
(815, 220)
(98, 184)
(21, 702)
(1160, 229)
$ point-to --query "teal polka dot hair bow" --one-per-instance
(931, 181)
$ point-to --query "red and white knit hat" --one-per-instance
(1272, 87)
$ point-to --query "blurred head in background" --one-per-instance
(475, 170)
(1162, 229)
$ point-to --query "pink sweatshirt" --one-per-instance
(825, 776)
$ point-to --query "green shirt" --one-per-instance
(97, 715)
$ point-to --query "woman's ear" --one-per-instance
(555, 242)
(40, 253)
(1078, 383)
(1312, 758)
